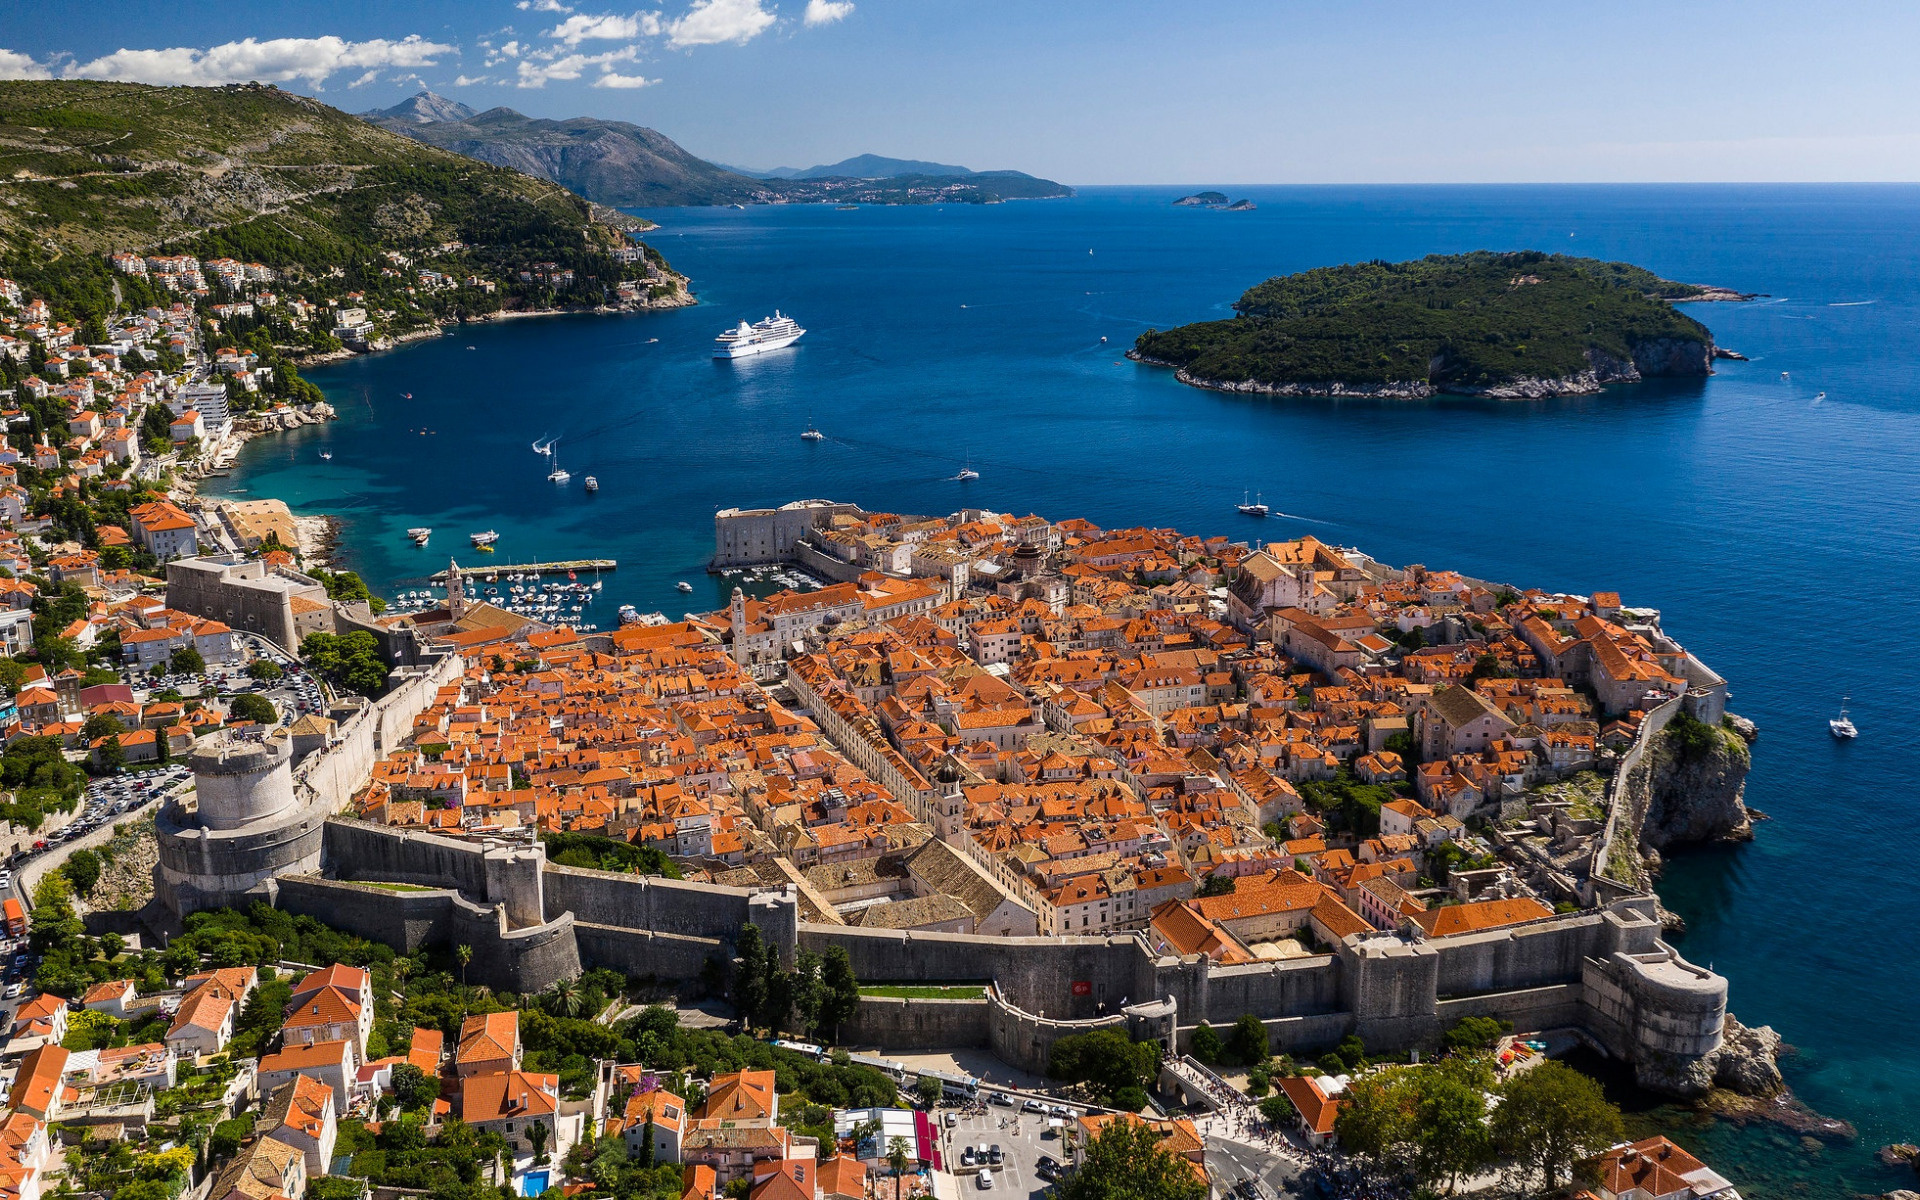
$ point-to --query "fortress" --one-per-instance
(262, 830)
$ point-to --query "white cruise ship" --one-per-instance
(776, 332)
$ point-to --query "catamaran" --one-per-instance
(1842, 725)
(810, 434)
(776, 332)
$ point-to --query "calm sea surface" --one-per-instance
(1776, 530)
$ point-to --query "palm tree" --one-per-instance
(565, 995)
(402, 967)
(464, 954)
(897, 1160)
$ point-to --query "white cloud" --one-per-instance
(511, 50)
(711, 22)
(15, 65)
(470, 80)
(826, 12)
(609, 27)
(274, 61)
(570, 66)
(369, 77)
(542, 6)
(613, 79)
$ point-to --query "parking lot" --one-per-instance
(1024, 1139)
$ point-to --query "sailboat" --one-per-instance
(1257, 508)
(967, 472)
(810, 434)
(1842, 725)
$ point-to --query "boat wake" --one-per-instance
(1848, 303)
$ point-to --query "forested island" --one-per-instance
(1516, 325)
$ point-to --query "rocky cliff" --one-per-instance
(1694, 786)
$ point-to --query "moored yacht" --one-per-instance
(1842, 725)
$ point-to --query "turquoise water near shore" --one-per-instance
(1777, 532)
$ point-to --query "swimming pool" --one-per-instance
(535, 1182)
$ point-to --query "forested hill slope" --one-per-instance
(263, 175)
(1507, 325)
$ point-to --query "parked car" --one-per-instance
(985, 1179)
(1000, 1098)
(993, 1154)
(1033, 1106)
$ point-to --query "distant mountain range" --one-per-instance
(627, 165)
(860, 166)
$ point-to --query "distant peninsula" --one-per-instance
(1521, 325)
(622, 164)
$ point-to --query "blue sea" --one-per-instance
(1771, 512)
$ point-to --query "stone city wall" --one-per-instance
(505, 959)
(895, 1023)
(359, 850)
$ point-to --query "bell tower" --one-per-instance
(456, 591)
(739, 618)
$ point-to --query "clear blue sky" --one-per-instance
(1099, 91)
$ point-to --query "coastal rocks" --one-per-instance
(1673, 356)
(1748, 731)
(1692, 795)
(1748, 1061)
(1900, 1154)
(1901, 1194)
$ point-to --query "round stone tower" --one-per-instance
(247, 826)
(243, 782)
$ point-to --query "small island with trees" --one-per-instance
(1518, 325)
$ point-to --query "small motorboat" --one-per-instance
(593, 485)
(327, 455)
(419, 534)
(684, 586)
(1842, 726)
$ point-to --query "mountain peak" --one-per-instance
(423, 108)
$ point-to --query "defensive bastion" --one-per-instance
(1604, 972)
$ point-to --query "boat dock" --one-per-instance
(577, 565)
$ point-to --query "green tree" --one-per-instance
(537, 1140)
(1125, 1161)
(463, 954)
(186, 661)
(929, 1090)
(414, 1088)
(1377, 1117)
(840, 990)
(1248, 1041)
(1551, 1117)
(646, 1146)
(99, 725)
(1451, 1137)
(264, 669)
(1475, 1035)
(112, 754)
(750, 974)
(249, 707)
(1206, 1045)
(83, 871)
(1106, 1060)
(1216, 885)
(350, 660)
(897, 1158)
